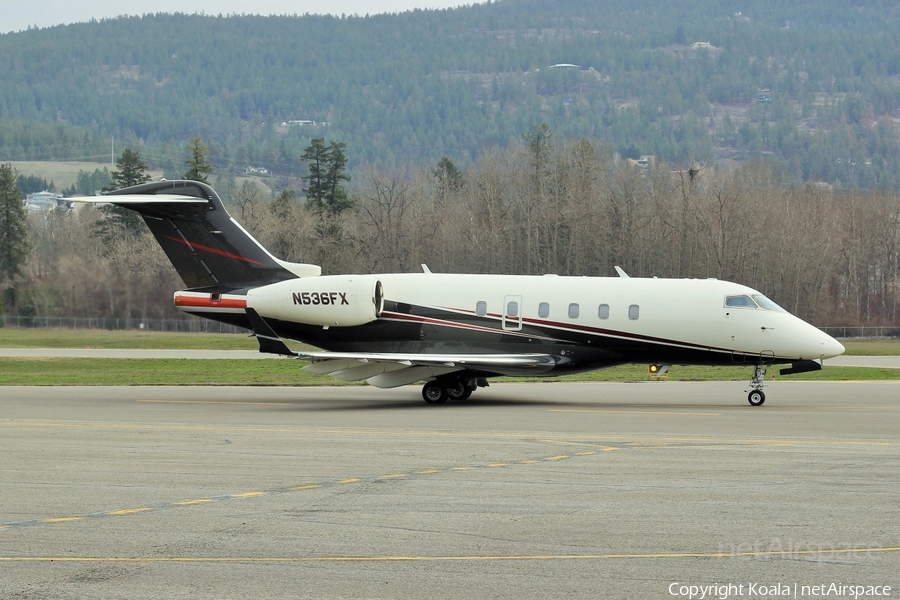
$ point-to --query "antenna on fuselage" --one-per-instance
(621, 272)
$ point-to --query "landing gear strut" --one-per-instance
(756, 396)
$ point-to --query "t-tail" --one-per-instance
(205, 244)
(218, 259)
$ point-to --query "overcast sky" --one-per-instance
(20, 14)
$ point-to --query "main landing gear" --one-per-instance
(443, 389)
(756, 396)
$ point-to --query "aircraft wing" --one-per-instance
(387, 370)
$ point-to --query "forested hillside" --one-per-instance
(814, 85)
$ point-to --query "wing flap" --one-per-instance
(408, 375)
(367, 370)
(388, 370)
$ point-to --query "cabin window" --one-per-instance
(512, 309)
(481, 308)
(603, 313)
(740, 302)
(766, 303)
(544, 310)
(573, 311)
(634, 312)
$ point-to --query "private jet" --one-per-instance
(456, 331)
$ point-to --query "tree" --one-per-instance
(327, 169)
(198, 164)
(14, 246)
(447, 178)
(130, 170)
(315, 157)
(116, 220)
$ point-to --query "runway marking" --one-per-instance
(587, 452)
(459, 558)
(634, 412)
(296, 488)
(447, 434)
(213, 402)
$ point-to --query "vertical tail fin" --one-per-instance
(204, 243)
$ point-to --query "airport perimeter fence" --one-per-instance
(883, 331)
(195, 325)
(198, 325)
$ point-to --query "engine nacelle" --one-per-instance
(329, 301)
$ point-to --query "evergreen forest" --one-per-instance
(814, 86)
(494, 138)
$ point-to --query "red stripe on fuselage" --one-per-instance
(216, 251)
(195, 302)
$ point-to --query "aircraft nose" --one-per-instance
(831, 347)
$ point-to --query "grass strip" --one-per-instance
(14, 337)
(103, 371)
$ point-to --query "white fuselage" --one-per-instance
(669, 315)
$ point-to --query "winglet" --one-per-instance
(269, 342)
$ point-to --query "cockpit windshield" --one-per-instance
(739, 302)
(755, 301)
(766, 303)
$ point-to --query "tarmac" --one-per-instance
(537, 490)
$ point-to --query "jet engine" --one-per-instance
(329, 300)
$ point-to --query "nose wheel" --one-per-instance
(756, 397)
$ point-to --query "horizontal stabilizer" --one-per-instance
(139, 199)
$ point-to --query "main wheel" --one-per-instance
(459, 391)
(434, 393)
(756, 398)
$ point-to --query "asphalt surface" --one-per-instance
(526, 491)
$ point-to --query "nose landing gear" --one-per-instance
(756, 397)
